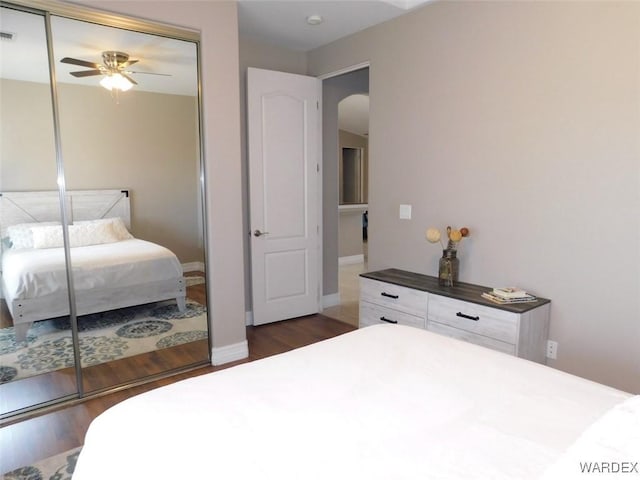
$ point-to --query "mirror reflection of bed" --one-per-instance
(134, 301)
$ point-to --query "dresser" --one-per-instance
(407, 298)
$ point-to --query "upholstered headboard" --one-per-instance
(44, 206)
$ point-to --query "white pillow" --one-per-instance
(119, 228)
(20, 235)
(79, 235)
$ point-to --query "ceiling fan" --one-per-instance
(114, 68)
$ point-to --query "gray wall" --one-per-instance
(27, 143)
(350, 233)
(520, 120)
(111, 150)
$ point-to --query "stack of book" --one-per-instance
(509, 295)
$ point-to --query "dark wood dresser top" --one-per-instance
(461, 291)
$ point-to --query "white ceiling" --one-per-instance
(283, 22)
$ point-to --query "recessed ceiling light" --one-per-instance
(314, 19)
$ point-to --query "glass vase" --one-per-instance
(448, 268)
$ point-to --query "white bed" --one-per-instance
(383, 402)
(111, 269)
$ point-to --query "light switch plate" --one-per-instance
(405, 212)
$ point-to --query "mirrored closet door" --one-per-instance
(130, 152)
(132, 163)
(37, 362)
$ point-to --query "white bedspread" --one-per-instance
(383, 402)
(33, 273)
(610, 448)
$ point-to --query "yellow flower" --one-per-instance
(455, 236)
(432, 235)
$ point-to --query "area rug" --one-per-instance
(103, 337)
(58, 467)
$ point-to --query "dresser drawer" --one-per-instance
(470, 317)
(372, 314)
(472, 338)
(408, 300)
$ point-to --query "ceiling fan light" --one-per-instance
(116, 81)
(107, 83)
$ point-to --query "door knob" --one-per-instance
(258, 233)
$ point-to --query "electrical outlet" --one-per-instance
(552, 349)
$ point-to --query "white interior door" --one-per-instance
(284, 150)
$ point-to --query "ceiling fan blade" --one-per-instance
(127, 63)
(129, 78)
(151, 73)
(86, 73)
(81, 63)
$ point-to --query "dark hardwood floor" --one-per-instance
(31, 440)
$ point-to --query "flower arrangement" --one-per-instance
(454, 236)
(448, 265)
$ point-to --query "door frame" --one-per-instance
(334, 299)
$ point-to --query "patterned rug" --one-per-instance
(58, 467)
(103, 337)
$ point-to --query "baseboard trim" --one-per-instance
(193, 267)
(331, 300)
(351, 259)
(229, 353)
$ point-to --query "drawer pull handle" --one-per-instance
(387, 320)
(460, 314)
(385, 294)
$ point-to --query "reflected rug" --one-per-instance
(103, 337)
(58, 467)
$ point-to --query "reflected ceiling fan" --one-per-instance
(114, 69)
